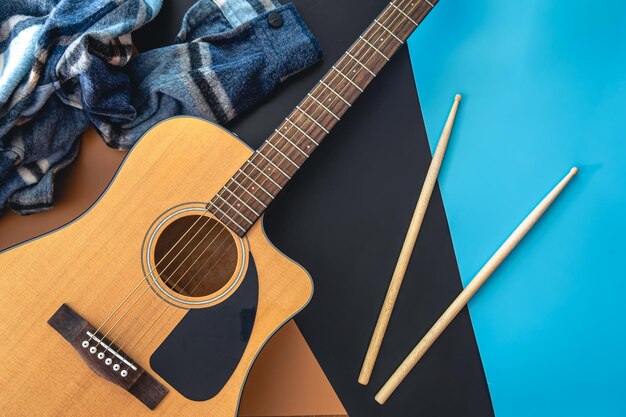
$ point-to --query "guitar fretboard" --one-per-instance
(253, 187)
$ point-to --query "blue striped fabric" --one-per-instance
(66, 64)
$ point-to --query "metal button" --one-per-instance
(275, 19)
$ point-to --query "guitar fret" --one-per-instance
(405, 15)
(283, 155)
(273, 164)
(336, 93)
(241, 201)
(348, 78)
(311, 118)
(281, 134)
(389, 31)
(319, 111)
(250, 163)
(372, 73)
(232, 207)
(227, 216)
(324, 107)
(256, 183)
(302, 131)
(306, 155)
(246, 190)
(374, 48)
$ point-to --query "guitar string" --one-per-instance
(167, 266)
(129, 322)
(289, 152)
(148, 286)
(173, 311)
(171, 274)
(143, 279)
(139, 284)
(381, 27)
(167, 306)
(169, 318)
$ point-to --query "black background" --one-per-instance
(344, 217)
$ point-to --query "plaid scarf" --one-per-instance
(66, 64)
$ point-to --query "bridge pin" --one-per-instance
(85, 344)
(108, 361)
(93, 349)
(124, 373)
(101, 355)
(116, 367)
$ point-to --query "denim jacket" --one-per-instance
(66, 64)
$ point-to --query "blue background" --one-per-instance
(543, 86)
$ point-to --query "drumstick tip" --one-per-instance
(457, 97)
(574, 170)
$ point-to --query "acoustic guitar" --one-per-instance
(157, 300)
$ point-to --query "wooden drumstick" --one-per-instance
(476, 282)
(407, 247)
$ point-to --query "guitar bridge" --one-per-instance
(105, 359)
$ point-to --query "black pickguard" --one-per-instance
(203, 350)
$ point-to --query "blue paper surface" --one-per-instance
(544, 89)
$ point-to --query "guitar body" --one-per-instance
(203, 345)
(158, 299)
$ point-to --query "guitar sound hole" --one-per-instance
(195, 256)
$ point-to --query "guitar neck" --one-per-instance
(248, 193)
